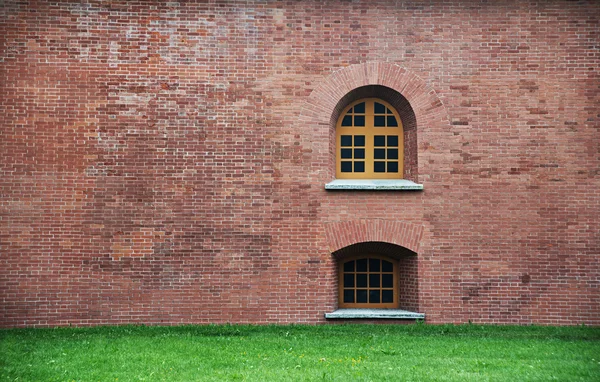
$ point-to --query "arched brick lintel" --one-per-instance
(341, 234)
(423, 99)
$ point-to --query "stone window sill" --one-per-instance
(394, 314)
(374, 185)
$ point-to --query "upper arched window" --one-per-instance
(369, 141)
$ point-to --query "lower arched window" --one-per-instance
(369, 281)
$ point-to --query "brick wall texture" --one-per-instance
(165, 162)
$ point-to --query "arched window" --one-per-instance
(369, 141)
(369, 281)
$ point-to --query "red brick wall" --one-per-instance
(409, 283)
(165, 162)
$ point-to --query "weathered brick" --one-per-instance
(164, 163)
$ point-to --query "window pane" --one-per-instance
(346, 166)
(392, 167)
(374, 297)
(347, 153)
(359, 108)
(346, 140)
(361, 265)
(392, 140)
(359, 120)
(349, 280)
(349, 266)
(391, 121)
(360, 166)
(379, 121)
(348, 295)
(361, 295)
(359, 153)
(387, 296)
(374, 281)
(374, 265)
(347, 121)
(361, 280)
(378, 166)
(387, 281)
(349, 110)
(359, 140)
(392, 153)
(379, 154)
(386, 266)
(379, 140)
(379, 108)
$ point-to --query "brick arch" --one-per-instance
(341, 234)
(322, 101)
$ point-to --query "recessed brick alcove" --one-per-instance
(407, 263)
(416, 102)
(396, 240)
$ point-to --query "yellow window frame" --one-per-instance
(369, 131)
(381, 305)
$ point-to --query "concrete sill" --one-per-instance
(374, 185)
(395, 314)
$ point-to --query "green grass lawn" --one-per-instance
(301, 353)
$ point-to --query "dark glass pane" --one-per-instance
(359, 120)
(379, 121)
(388, 111)
(346, 166)
(361, 280)
(359, 107)
(347, 121)
(392, 167)
(374, 280)
(379, 108)
(361, 295)
(359, 140)
(359, 153)
(349, 111)
(392, 140)
(349, 266)
(392, 154)
(386, 266)
(348, 280)
(379, 154)
(349, 295)
(346, 153)
(346, 140)
(378, 166)
(374, 297)
(374, 265)
(387, 296)
(391, 121)
(379, 140)
(361, 265)
(387, 281)
(360, 166)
